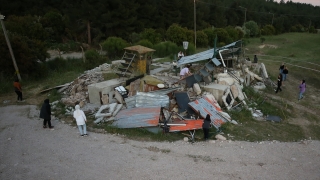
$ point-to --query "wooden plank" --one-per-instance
(56, 87)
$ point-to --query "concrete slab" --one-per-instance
(217, 90)
(106, 87)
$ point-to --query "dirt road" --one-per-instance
(30, 152)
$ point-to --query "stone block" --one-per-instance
(96, 90)
(217, 90)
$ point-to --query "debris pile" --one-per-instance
(164, 102)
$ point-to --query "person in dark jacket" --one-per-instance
(45, 114)
(284, 73)
(206, 126)
(279, 83)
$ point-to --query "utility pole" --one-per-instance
(195, 24)
(9, 46)
(272, 17)
(245, 14)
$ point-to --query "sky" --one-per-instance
(313, 2)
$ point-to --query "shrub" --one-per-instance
(114, 46)
(268, 30)
(93, 59)
(165, 49)
(146, 43)
(151, 35)
(202, 39)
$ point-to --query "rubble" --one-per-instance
(163, 100)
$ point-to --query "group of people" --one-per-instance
(78, 114)
(283, 76)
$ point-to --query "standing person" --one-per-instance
(284, 73)
(302, 88)
(279, 83)
(45, 113)
(81, 119)
(180, 55)
(18, 89)
(281, 68)
(185, 72)
(206, 127)
(255, 59)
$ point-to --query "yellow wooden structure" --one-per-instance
(138, 58)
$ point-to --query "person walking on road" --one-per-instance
(302, 88)
(45, 114)
(281, 68)
(285, 72)
(279, 83)
(206, 127)
(18, 90)
(81, 120)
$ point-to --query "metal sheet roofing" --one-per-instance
(142, 99)
(208, 54)
(140, 49)
(188, 125)
(138, 117)
(205, 107)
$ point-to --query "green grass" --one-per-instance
(250, 129)
(165, 59)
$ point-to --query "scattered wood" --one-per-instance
(56, 87)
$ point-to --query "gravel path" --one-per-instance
(28, 151)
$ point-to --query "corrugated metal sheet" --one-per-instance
(189, 125)
(142, 99)
(138, 117)
(208, 54)
(197, 57)
(164, 91)
(205, 107)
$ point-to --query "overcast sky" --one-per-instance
(313, 2)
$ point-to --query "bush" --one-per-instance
(165, 49)
(146, 43)
(202, 39)
(268, 30)
(58, 64)
(114, 46)
(151, 35)
(93, 59)
(252, 29)
(222, 34)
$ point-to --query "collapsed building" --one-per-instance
(140, 98)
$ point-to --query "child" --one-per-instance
(81, 120)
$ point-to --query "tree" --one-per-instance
(177, 34)
(151, 35)
(268, 30)
(202, 39)
(114, 46)
(54, 24)
(252, 29)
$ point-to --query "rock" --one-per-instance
(185, 139)
(105, 99)
(81, 104)
(220, 137)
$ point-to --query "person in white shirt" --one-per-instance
(81, 119)
(185, 72)
(180, 55)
